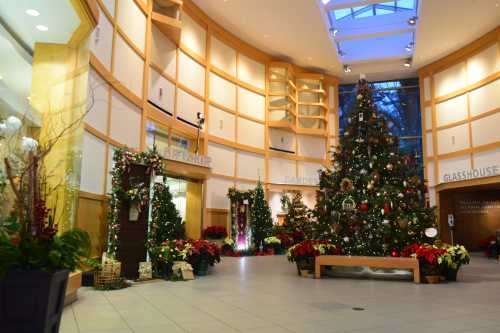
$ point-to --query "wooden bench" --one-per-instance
(376, 262)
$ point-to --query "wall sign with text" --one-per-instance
(469, 174)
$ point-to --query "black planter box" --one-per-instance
(32, 301)
(88, 279)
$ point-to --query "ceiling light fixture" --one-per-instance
(341, 53)
(32, 12)
(409, 47)
(333, 32)
(412, 20)
(42, 27)
(347, 69)
(407, 63)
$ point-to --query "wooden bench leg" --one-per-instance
(416, 274)
(317, 269)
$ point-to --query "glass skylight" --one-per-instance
(378, 9)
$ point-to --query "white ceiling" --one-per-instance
(295, 30)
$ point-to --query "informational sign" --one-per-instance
(183, 156)
(451, 220)
(477, 207)
(493, 170)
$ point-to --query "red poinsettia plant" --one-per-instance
(427, 254)
(215, 232)
(203, 250)
(311, 248)
(290, 238)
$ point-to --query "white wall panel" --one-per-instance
(125, 121)
(223, 57)
(93, 163)
(222, 91)
(283, 140)
(132, 21)
(111, 165)
(453, 139)
(427, 89)
(101, 40)
(282, 171)
(250, 133)
(222, 159)
(193, 35)
(428, 117)
(128, 66)
(217, 192)
(483, 64)
(245, 186)
(251, 104)
(432, 197)
(485, 99)
(163, 51)
(97, 117)
(450, 79)
(250, 166)
(161, 91)
(429, 144)
(449, 166)
(486, 130)
(311, 146)
(308, 172)
(486, 159)
(188, 106)
(274, 201)
(452, 110)
(430, 174)
(221, 123)
(191, 74)
(251, 71)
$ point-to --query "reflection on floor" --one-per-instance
(264, 294)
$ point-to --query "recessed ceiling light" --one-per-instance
(42, 27)
(32, 12)
(347, 69)
(412, 20)
(407, 63)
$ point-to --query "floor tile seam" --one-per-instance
(74, 318)
(119, 313)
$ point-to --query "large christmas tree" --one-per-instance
(260, 217)
(371, 201)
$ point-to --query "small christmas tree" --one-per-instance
(166, 223)
(298, 217)
(372, 200)
(260, 217)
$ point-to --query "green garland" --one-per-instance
(123, 161)
(236, 197)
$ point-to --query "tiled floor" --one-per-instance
(264, 294)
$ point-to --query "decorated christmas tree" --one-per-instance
(371, 201)
(166, 223)
(298, 217)
(260, 217)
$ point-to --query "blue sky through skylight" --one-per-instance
(377, 9)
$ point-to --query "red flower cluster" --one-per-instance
(423, 252)
(215, 232)
(311, 249)
(290, 238)
(203, 250)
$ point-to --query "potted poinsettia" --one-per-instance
(304, 253)
(428, 257)
(203, 254)
(451, 260)
(35, 260)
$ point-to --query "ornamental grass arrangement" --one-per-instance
(215, 232)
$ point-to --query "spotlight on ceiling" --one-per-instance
(407, 63)
(32, 12)
(341, 53)
(347, 69)
(412, 20)
(333, 31)
(409, 47)
(41, 27)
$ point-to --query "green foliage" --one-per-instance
(298, 217)
(60, 252)
(285, 202)
(260, 217)
(371, 201)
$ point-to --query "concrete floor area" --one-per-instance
(264, 294)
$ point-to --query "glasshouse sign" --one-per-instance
(186, 157)
(489, 171)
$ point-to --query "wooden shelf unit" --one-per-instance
(166, 16)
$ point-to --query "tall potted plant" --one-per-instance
(34, 260)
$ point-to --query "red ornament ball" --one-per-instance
(394, 253)
(387, 208)
(363, 206)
